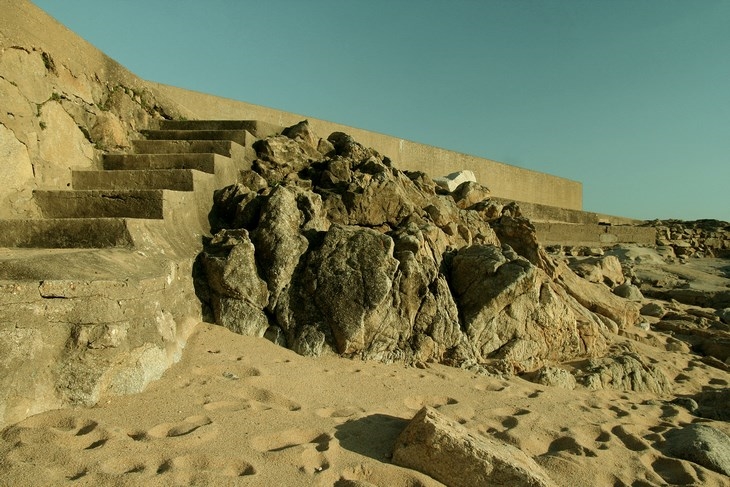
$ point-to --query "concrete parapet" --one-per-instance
(546, 213)
(503, 180)
(591, 235)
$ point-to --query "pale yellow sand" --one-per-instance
(242, 411)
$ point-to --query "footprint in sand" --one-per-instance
(570, 445)
(675, 472)
(227, 406)
(201, 465)
(311, 446)
(346, 412)
(173, 430)
(416, 403)
(630, 440)
(266, 399)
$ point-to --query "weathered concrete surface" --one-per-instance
(100, 322)
(592, 235)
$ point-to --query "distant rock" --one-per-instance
(443, 449)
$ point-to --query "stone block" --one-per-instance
(455, 179)
(448, 452)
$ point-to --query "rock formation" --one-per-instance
(325, 247)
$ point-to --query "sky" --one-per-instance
(629, 97)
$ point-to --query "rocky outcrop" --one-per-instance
(700, 238)
(625, 371)
(361, 259)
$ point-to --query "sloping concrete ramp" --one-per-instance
(97, 296)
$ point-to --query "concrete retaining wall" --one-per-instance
(503, 180)
(588, 235)
(545, 213)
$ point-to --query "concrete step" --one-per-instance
(242, 137)
(65, 233)
(226, 148)
(101, 203)
(174, 179)
(256, 127)
(201, 162)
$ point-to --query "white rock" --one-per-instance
(455, 179)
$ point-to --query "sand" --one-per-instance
(242, 411)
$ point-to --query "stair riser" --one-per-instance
(257, 128)
(173, 179)
(200, 162)
(64, 234)
(241, 137)
(100, 204)
(222, 147)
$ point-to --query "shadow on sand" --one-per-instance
(373, 436)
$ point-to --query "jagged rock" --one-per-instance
(345, 288)
(362, 259)
(280, 157)
(626, 372)
(701, 444)
(443, 449)
(605, 269)
(238, 294)
(279, 243)
(510, 307)
(470, 193)
(598, 299)
(346, 147)
(303, 133)
(629, 291)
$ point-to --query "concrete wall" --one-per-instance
(588, 235)
(545, 213)
(503, 180)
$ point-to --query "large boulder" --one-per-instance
(510, 308)
(701, 444)
(445, 450)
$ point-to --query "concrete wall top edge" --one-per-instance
(343, 128)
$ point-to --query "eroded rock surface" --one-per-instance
(445, 450)
(361, 259)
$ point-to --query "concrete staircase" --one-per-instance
(97, 296)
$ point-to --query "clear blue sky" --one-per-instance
(630, 97)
